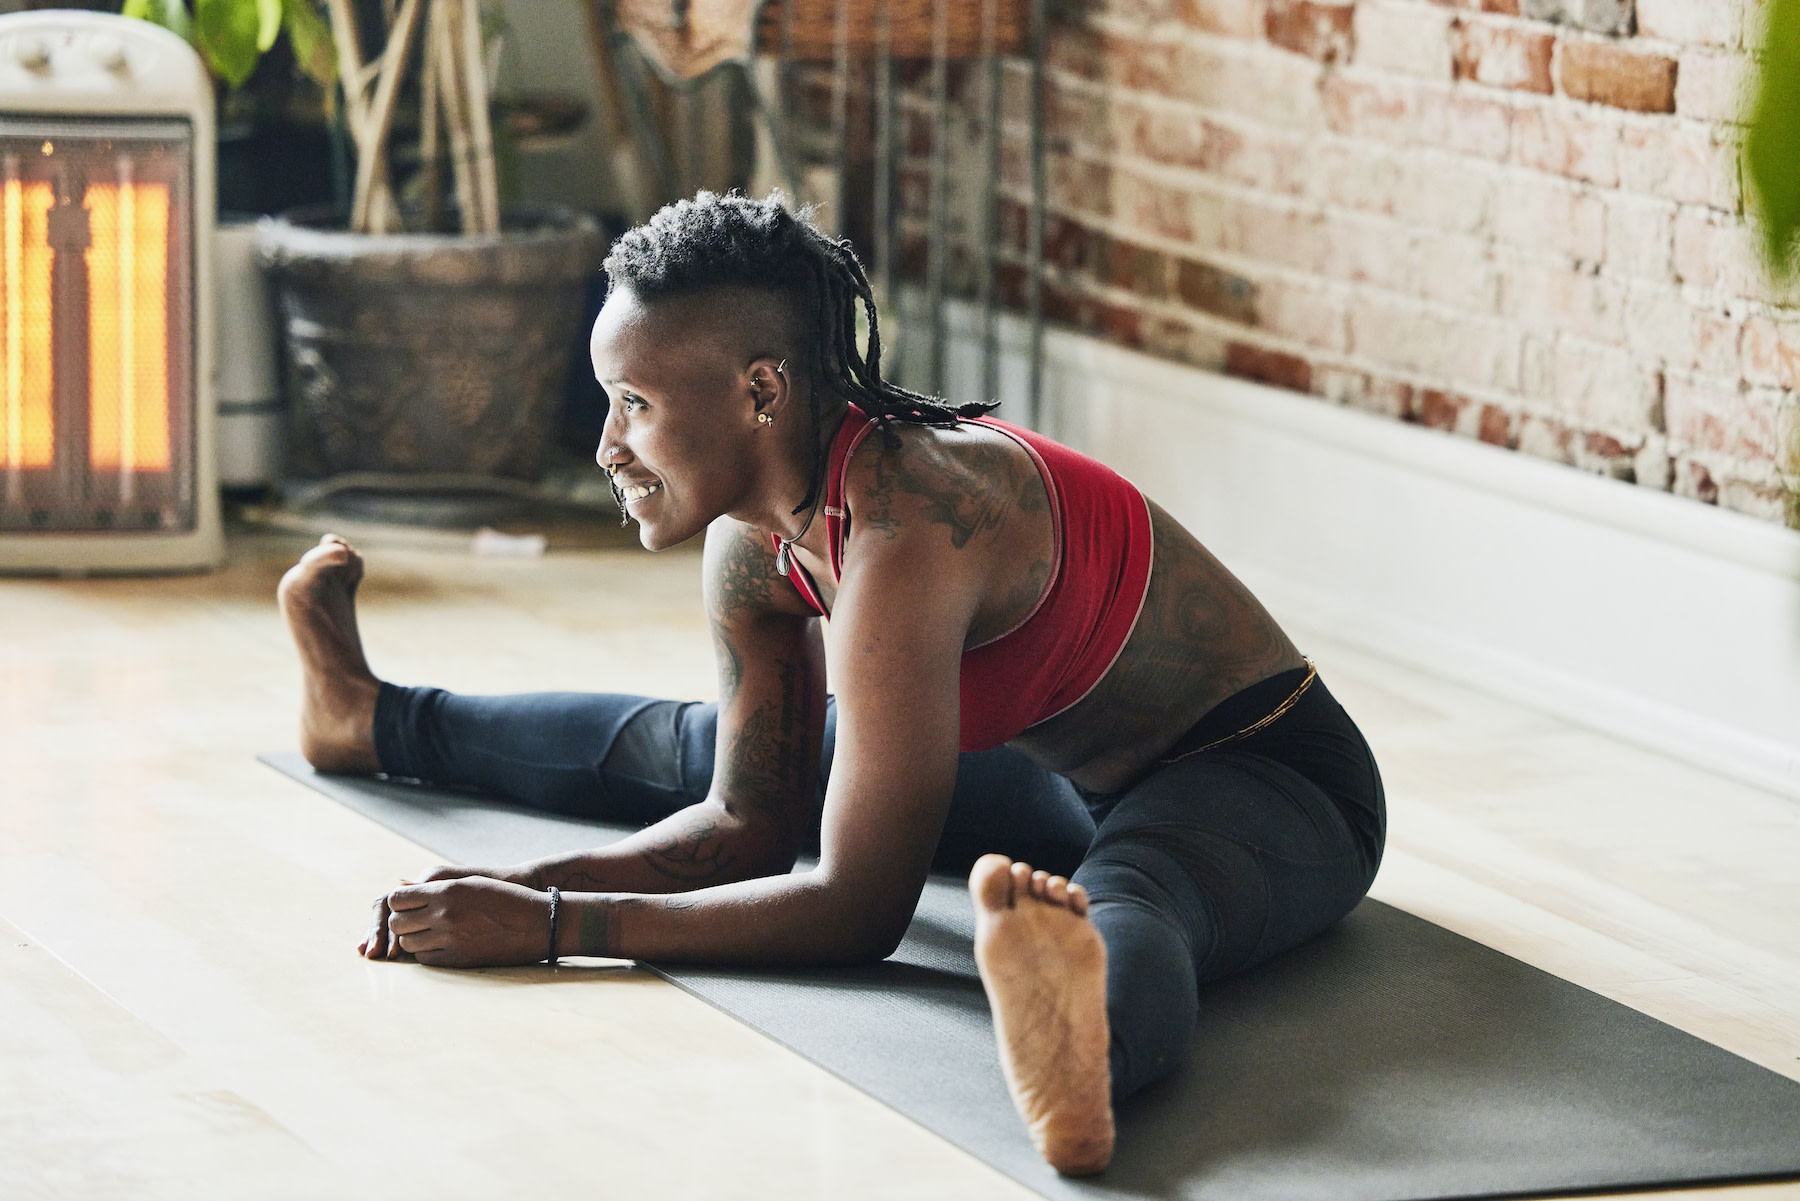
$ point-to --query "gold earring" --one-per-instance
(764, 419)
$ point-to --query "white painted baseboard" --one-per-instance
(1665, 622)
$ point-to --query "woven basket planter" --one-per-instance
(428, 353)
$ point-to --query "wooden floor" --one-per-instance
(182, 1013)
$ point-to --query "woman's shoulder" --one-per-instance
(971, 480)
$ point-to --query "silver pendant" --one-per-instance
(784, 558)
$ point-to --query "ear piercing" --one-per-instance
(755, 392)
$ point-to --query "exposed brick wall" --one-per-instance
(1516, 220)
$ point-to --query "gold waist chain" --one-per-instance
(1312, 673)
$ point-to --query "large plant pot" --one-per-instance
(415, 353)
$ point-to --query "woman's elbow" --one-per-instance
(870, 937)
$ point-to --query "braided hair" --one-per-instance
(715, 241)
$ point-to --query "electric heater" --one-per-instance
(106, 217)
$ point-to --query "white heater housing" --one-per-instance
(107, 419)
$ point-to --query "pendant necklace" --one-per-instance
(784, 554)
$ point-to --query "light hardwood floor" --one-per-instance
(181, 1013)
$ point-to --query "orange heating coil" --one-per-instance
(128, 369)
(128, 366)
(27, 427)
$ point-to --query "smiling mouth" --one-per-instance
(633, 492)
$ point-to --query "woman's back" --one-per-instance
(1104, 630)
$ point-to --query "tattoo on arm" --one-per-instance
(769, 759)
(768, 777)
(695, 853)
(600, 920)
(744, 581)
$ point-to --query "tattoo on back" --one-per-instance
(970, 489)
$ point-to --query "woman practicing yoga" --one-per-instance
(1130, 720)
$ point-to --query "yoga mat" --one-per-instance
(1386, 1060)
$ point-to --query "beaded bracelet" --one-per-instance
(555, 904)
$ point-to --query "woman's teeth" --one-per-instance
(640, 491)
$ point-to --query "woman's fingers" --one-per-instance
(408, 921)
(423, 942)
(374, 943)
(414, 896)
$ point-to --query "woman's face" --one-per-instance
(681, 424)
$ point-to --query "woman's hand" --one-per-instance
(465, 921)
(521, 873)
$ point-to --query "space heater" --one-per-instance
(106, 217)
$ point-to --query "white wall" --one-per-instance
(1659, 620)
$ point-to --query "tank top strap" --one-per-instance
(856, 427)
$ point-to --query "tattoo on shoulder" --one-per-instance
(970, 492)
(878, 514)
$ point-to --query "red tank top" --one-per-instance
(1071, 638)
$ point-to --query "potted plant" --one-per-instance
(429, 332)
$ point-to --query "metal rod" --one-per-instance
(613, 104)
(776, 126)
(885, 142)
(985, 283)
(645, 133)
(783, 132)
(1039, 188)
(937, 232)
(840, 114)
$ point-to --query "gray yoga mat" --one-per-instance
(1386, 1060)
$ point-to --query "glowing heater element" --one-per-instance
(128, 368)
(27, 436)
(107, 457)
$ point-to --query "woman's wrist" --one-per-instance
(588, 925)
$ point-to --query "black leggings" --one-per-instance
(1206, 866)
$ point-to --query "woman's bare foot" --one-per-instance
(1044, 968)
(337, 714)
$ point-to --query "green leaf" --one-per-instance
(172, 15)
(1772, 146)
(310, 38)
(268, 23)
(229, 34)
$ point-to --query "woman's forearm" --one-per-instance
(701, 846)
(794, 918)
